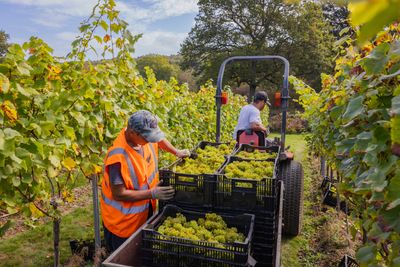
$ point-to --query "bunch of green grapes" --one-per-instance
(212, 228)
(253, 170)
(208, 160)
(256, 154)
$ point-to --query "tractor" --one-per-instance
(290, 171)
(282, 201)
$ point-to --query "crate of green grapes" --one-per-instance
(178, 237)
(246, 185)
(194, 178)
(246, 151)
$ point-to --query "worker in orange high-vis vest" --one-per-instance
(130, 186)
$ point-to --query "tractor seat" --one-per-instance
(250, 137)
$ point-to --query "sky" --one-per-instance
(164, 23)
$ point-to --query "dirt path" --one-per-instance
(324, 239)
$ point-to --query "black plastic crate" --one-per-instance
(325, 182)
(192, 190)
(348, 261)
(265, 227)
(263, 254)
(330, 195)
(239, 194)
(161, 250)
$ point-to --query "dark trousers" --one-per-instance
(113, 241)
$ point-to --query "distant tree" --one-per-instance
(166, 67)
(161, 65)
(3, 43)
(227, 28)
(337, 17)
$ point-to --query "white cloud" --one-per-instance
(66, 7)
(139, 14)
(157, 9)
(166, 43)
(175, 7)
(67, 36)
(48, 18)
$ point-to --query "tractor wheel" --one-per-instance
(291, 173)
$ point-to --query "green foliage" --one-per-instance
(354, 124)
(212, 228)
(237, 27)
(372, 16)
(58, 117)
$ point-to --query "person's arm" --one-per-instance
(120, 193)
(168, 147)
(255, 122)
(256, 126)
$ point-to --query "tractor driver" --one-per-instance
(130, 186)
(249, 117)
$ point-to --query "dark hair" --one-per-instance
(260, 96)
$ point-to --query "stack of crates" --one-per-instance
(192, 191)
(258, 197)
(215, 192)
(162, 250)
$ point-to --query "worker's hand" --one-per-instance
(267, 131)
(162, 192)
(182, 153)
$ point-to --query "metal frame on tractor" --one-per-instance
(284, 96)
(290, 172)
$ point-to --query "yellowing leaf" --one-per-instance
(98, 39)
(4, 83)
(97, 168)
(363, 11)
(106, 38)
(34, 211)
(68, 196)
(76, 148)
(9, 110)
(69, 163)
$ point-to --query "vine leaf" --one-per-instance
(354, 108)
(375, 62)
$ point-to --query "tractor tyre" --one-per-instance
(291, 173)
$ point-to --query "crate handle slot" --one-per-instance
(240, 185)
(186, 180)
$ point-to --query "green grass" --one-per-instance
(298, 251)
(35, 247)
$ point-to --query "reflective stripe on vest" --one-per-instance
(126, 211)
(132, 173)
(150, 179)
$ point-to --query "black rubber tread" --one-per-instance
(291, 173)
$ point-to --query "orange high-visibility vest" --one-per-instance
(123, 218)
